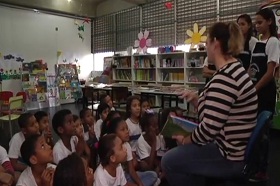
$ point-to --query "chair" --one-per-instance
(4, 99)
(23, 94)
(15, 104)
(252, 153)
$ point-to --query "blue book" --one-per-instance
(178, 126)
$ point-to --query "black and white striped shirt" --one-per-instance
(227, 111)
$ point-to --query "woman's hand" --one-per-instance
(190, 96)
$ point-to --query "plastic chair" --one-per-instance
(252, 153)
(23, 94)
(15, 103)
(4, 99)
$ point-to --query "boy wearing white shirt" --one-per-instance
(29, 126)
(68, 143)
(37, 154)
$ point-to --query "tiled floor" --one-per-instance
(274, 164)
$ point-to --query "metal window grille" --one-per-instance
(104, 34)
(160, 22)
(194, 11)
(231, 9)
(127, 28)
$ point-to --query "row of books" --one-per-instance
(142, 62)
(171, 76)
(172, 62)
(123, 62)
(123, 74)
(145, 75)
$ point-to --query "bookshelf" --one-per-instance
(178, 68)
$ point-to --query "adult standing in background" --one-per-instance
(227, 109)
(245, 23)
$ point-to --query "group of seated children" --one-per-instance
(122, 152)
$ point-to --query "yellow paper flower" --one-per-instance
(196, 36)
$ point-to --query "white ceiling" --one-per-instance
(75, 7)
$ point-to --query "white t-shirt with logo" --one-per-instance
(3, 155)
(103, 178)
(60, 151)
(134, 130)
(15, 144)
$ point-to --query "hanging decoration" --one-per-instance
(168, 5)
(143, 42)
(76, 22)
(81, 36)
(8, 57)
(19, 59)
(87, 20)
(58, 53)
(64, 60)
(81, 28)
(196, 36)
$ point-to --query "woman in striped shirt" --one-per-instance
(227, 109)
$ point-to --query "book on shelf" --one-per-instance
(147, 75)
(178, 126)
(123, 62)
(144, 62)
(123, 74)
(172, 76)
(169, 62)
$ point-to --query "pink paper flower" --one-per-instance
(143, 42)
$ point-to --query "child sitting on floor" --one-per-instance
(64, 127)
(112, 153)
(105, 98)
(44, 126)
(102, 110)
(73, 170)
(148, 178)
(133, 112)
(29, 126)
(145, 105)
(7, 172)
(37, 154)
(88, 125)
(148, 143)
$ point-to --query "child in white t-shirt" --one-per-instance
(112, 153)
(6, 169)
(29, 126)
(103, 111)
(149, 143)
(64, 126)
(43, 120)
(37, 154)
(133, 111)
(148, 178)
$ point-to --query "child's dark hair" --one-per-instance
(23, 119)
(58, 119)
(106, 148)
(27, 148)
(110, 116)
(75, 117)
(129, 101)
(101, 108)
(144, 99)
(248, 19)
(145, 120)
(268, 14)
(102, 98)
(111, 126)
(40, 115)
(83, 112)
(70, 171)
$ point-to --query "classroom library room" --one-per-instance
(139, 93)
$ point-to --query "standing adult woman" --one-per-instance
(227, 109)
(245, 23)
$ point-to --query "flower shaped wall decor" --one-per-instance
(143, 42)
(196, 36)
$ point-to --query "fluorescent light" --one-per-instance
(69, 1)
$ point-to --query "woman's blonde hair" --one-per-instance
(230, 37)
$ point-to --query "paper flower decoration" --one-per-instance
(143, 42)
(168, 5)
(81, 36)
(196, 36)
(81, 28)
(87, 20)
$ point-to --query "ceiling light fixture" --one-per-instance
(69, 1)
